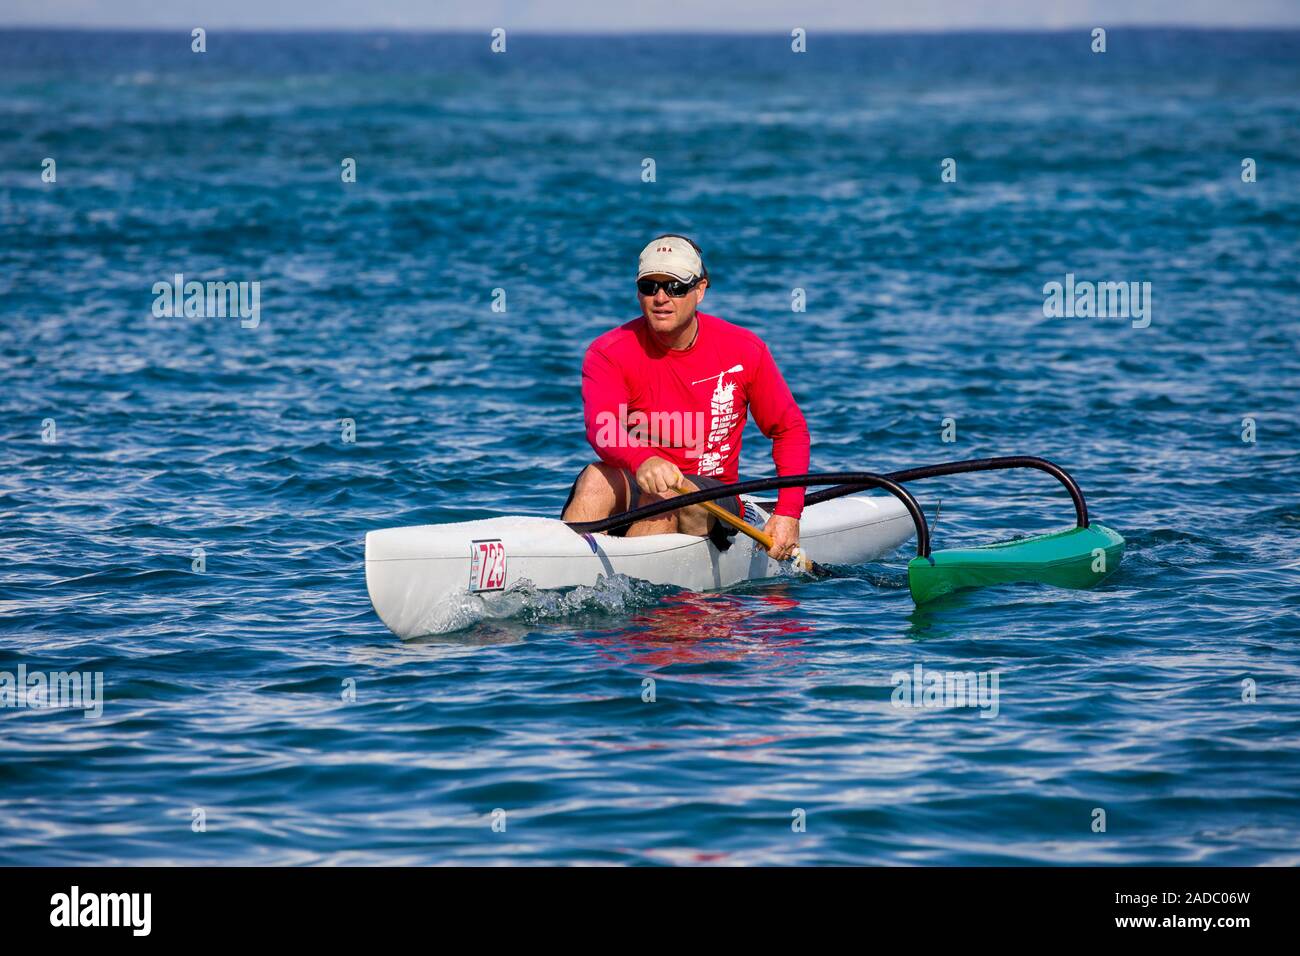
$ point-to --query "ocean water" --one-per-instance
(257, 711)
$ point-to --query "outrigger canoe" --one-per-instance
(430, 579)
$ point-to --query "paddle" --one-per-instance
(801, 560)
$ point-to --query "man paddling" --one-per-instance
(665, 398)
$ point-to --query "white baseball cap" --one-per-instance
(671, 256)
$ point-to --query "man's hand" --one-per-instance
(785, 536)
(656, 476)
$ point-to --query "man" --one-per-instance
(665, 399)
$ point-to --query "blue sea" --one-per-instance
(183, 516)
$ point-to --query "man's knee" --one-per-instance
(599, 488)
(601, 480)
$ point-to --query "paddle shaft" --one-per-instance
(744, 527)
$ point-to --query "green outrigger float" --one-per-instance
(1075, 558)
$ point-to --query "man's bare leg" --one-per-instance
(692, 519)
(602, 490)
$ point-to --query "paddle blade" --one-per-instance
(1077, 558)
(808, 565)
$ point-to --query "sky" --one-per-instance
(582, 16)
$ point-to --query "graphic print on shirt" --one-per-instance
(723, 416)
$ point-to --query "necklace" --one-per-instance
(695, 336)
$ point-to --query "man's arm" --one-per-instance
(778, 417)
(603, 391)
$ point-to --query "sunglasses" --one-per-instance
(674, 287)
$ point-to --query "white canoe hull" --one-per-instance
(422, 578)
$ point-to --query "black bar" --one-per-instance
(854, 480)
(312, 907)
(973, 464)
(848, 482)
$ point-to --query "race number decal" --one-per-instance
(487, 565)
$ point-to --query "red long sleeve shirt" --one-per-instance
(689, 406)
